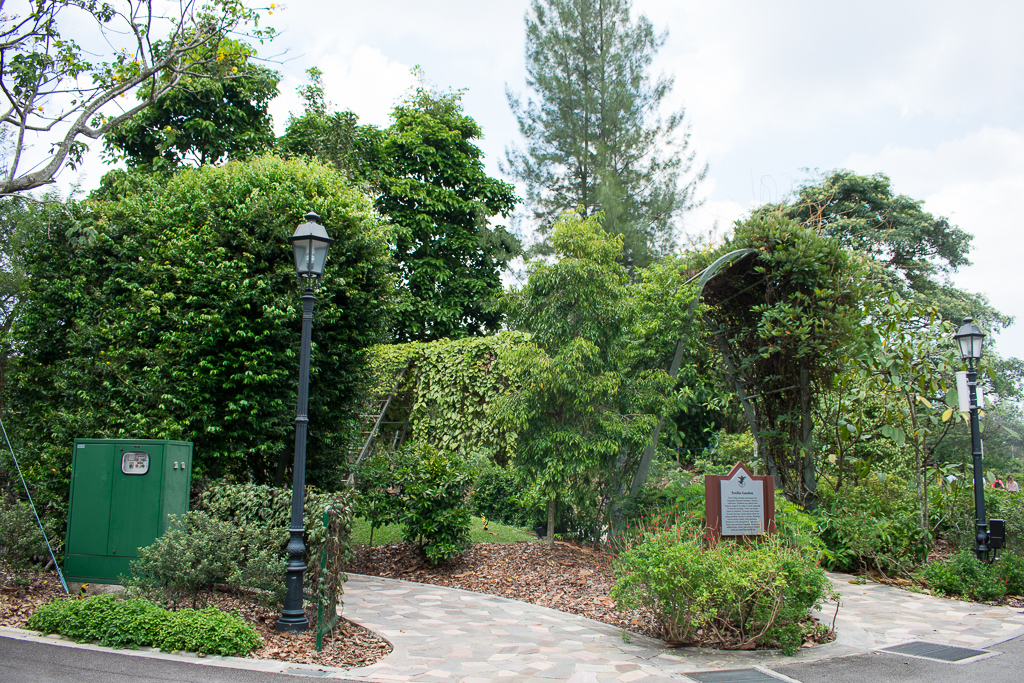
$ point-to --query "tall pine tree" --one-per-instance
(594, 134)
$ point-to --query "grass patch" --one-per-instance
(392, 533)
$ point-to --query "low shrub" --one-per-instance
(435, 486)
(725, 594)
(873, 524)
(195, 553)
(966, 576)
(21, 542)
(207, 631)
(135, 622)
(237, 537)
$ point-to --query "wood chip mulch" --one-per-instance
(22, 593)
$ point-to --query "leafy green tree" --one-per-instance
(916, 250)
(224, 114)
(786, 319)
(578, 410)
(435, 188)
(593, 130)
(180, 317)
(54, 94)
(333, 137)
(428, 177)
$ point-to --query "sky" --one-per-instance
(928, 92)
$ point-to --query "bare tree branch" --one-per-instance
(54, 96)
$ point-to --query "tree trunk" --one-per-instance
(550, 539)
(809, 479)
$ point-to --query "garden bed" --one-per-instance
(348, 646)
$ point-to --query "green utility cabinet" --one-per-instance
(121, 495)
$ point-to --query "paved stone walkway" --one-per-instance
(443, 634)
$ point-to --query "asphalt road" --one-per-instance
(883, 667)
(29, 662)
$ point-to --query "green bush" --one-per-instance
(724, 594)
(377, 490)
(957, 502)
(966, 576)
(1011, 571)
(435, 486)
(207, 631)
(498, 495)
(195, 553)
(21, 541)
(237, 537)
(873, 524)
(134, 622)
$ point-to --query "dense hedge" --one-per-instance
(169, 308)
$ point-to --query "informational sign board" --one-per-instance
(739, 503)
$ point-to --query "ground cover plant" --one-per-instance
(118, 622)
(965, 576)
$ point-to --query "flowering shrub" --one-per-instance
(965, 575)
(726, 594)
(873, 524)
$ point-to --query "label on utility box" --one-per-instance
(135, 462)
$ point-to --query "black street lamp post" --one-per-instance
(969, 339)
(309, 244)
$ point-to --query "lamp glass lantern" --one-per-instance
(309, 245)
(969, 340)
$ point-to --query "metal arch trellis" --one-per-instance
(702, 278)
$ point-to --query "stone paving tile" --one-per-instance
(442, 634)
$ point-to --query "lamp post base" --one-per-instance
(293, 617)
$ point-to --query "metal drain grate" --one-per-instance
(735, 676)
(306, 672)
(939, 653)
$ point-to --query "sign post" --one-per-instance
(740, 504)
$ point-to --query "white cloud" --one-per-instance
(976, 182)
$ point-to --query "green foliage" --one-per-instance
(498, 495)
(967, 576)
(456, 385)
(237, 537)
(955, 502)
(207, 631)
(435, 188)
(53, 95)
(429, 179)
(335, 138)
(496, 532)
(785, 318)
(196, 552)
(594, 135)
(873, 524)
(21, 542)
(720, 594)
(117, 622)
(377, 500)
(181, 320)
(581, 409)
(435, 486)
(222, 113)
(916, 249)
